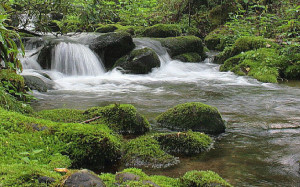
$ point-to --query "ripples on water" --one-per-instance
(261, 143)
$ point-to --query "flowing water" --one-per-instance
(261, 145)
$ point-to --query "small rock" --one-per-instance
(123, 177)
(47, 180)
(150, 183)
(83, 178)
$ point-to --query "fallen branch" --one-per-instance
(90, 120)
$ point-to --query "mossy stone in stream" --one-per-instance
(189, 57)
(145, 151)
(195, 116)
(183, 143)
(162, 31)
(122, 118)
(202, 178)
(140, 61)
(106, 28)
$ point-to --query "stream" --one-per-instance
(261, 145)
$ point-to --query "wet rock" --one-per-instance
(123, 177)
(194, 116)
(140, 61)
(45, 56)
(183, 44)
(83, 178)
(112, 46)
(189, 57)
(36, 83)
(47, 180)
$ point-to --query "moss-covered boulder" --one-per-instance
(202, 178)
(182, 44)
(189, 57)
(106, 28)
(183, 143)
(145, 151)
(63, 115)
(140, 61)
(123, 118)
(112, 46)
(83, 178)
(162, 31)
(220, 13)
(220, 38)
(136, 177)
(245, 44)
(195, 116)
(36, 83)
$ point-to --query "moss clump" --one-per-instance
(9, 102)
(195, 116)
(106, 28)
(184, 143)
(182, 44)
(122, 118)
(220, 38)
(189, 57)
(162, 31)
(12, 82)
(63, 115)
(143, 180)
(146, 152)
(41, 142)
(245, 44)
(290, 62)
(203, 178)
(219, 14)
(262, 64)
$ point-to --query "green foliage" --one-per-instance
(202, 178)
(9, 102)
(184, 143)
(195, 116)
(146, 152)
(123, 118)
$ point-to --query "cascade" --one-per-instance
(76, 59)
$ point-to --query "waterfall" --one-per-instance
(76, 59)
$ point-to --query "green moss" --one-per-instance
(195, 116)
(220, 13)
(220, 38)
(123, 118)
(162, 31)
(146, 152)
(262, 64)
(182, 44)
(290, 62)
(9, 102)
(63, 115)
(106, 28)
(202, 178)
(184, 143)
(16, 81)
(245, 44)
(189, 57)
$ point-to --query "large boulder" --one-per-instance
(162, 31)
(112, 46)
(45, 55)
(140, 61)
(195, 116)
(83, 178)
(183, 44)
(37, 83)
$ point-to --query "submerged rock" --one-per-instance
(112, 46)
(83, 178)
(140, 61)
(195, 116)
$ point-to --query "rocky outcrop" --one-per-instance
(83, 178)
(112, 46)
(140, 61)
